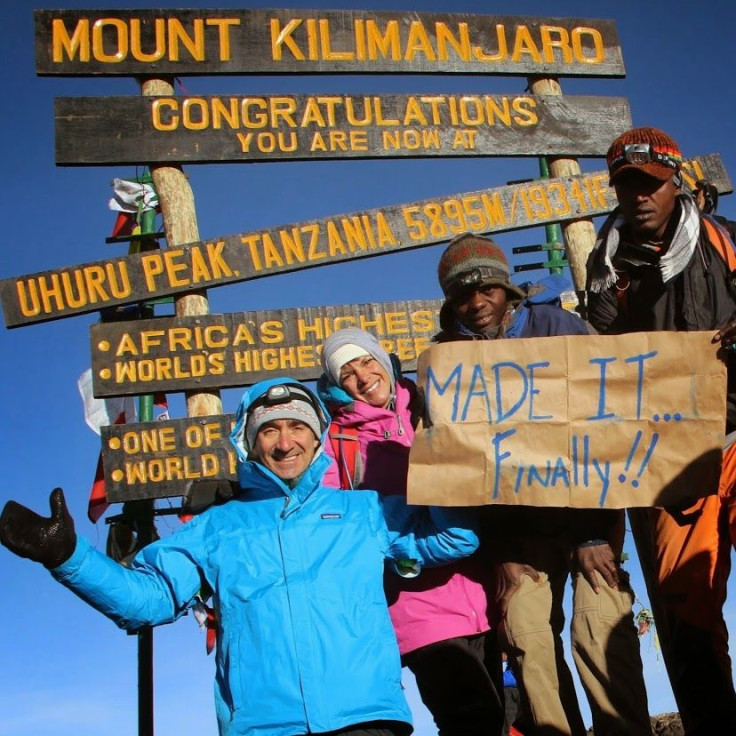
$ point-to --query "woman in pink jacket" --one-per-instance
(440, 615)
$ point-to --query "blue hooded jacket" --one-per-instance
(305, 643)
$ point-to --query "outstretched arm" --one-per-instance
(162, 582)
(429, 534)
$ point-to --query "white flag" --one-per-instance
(102, 412)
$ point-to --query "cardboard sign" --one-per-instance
(227, 350)
(127, 130)
(579, 421)
(179, 42)
(89, 287)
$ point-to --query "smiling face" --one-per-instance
(286, 447)
(480, 308)
(365, 379)
(646, 203)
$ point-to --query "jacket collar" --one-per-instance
(257, 481)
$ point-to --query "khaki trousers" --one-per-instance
(605, 648)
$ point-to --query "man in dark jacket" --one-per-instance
(536, 550)
(654, 268)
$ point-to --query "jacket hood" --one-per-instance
(249, 470)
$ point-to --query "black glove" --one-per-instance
(201, 494)
(50, 541)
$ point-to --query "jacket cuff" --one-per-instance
(73, 564)
(592, 543)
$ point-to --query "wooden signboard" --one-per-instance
(223, 260)
(226, 350)
(254, 41)
(128, 130)
(159, 459)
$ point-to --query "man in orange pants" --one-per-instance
(688, 553)
(656, 266)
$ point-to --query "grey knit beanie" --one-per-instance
(301, 407)
(349, 343)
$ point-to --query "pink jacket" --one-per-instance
(441, 603)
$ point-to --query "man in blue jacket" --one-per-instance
(305, 643)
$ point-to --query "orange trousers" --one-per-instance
(686, 560)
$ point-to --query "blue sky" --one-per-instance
(70, 671)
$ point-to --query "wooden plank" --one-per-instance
(158, 459)
(227, 350)
(255, 41)
(223, 260)
(229, 128)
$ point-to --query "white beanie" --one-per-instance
(348, 344)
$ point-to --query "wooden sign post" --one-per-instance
(281, 41)
(580, 234)
(229, 259)
(229, 350)
(226, 129)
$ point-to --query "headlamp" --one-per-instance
(277, 395)
(638, 153)
(476, 277)
(284, 393)
(469, 278)
(281, 394)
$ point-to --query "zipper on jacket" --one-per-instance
(401, 428)
(473, 613)
(392, 407)
(286, 506)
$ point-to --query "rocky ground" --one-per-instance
(665, 724)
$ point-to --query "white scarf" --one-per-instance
(671, 263)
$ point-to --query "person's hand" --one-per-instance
(507, 581)
(598, 558)
(726, 336)
(48, 540)
(201, 494)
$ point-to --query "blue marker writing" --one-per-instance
(534, 391)
(499, 457)
(602, 389)
(640, 378)
(456, 374)
(501, 415)
(480, 379)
